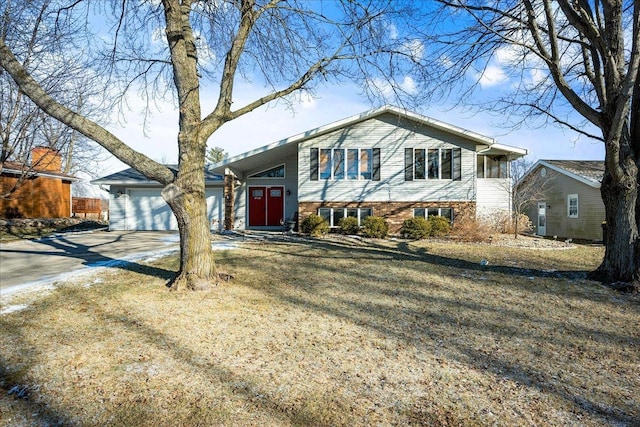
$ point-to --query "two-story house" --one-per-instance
(385, 162)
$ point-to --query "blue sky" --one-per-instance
(275, 122)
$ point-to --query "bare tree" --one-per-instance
(527, 188)
(286, 45)
(23, 125)
(575, 63)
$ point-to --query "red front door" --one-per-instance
(266, 206)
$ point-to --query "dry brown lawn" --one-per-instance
(333, 332)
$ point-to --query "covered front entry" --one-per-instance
(266, 206)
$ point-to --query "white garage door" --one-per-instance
(148, 210)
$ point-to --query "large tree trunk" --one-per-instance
(188, 202)
(621, 263)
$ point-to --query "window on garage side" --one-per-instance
(572, 206)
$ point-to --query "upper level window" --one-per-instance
(434, 163)
(572, 206)
(340, 163)
(277, 172)
(493, 167)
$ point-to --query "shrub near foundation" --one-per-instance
(440, 226)
(375, 227)
(349, 225)
(314, 225)
(415, 228)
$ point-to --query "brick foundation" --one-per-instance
(394, 212)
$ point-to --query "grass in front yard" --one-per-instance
(333, 332)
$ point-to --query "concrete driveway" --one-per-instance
(27, 263)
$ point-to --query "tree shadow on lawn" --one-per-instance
(48, 411)
(424, 328)
(404, 252)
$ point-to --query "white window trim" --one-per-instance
(569, 198)
(426, 167)
(253, 176)
(344, 214)
(345, 166)
(426, 213)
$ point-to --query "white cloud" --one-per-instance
(408, 85)
(393, 31)
(414, 48)
(492, 76)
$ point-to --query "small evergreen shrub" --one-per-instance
(349, 225)
(314, 225)
(375, 226)
(440, 226)
(415, 228)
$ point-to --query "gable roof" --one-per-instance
(19, 169)
(133, 177)
(589, 172)
(288, 146)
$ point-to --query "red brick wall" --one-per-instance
(394, 212)
(39, 197)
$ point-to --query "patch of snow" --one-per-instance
(12, 308)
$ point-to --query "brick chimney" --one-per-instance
(46, 159)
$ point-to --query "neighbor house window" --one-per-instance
(434, 163)
(493, 167)
(427, 212)
(572, 206)
(340, 164)
(333, 215)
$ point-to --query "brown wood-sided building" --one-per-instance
(38, 190)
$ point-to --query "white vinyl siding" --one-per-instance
(392, 136)
(494, 195)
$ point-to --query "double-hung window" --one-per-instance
(345, 164)
(572, 206)
(432, 163)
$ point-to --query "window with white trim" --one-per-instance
(345, 164)
(333, 215)
(432, 163)
(427, 212)
(493, 167)
(572, 206)
(277, 172)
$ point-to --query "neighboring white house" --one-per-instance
(386, 162)
(571, 205)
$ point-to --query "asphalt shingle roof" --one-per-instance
(591, 170)
(132, 175)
